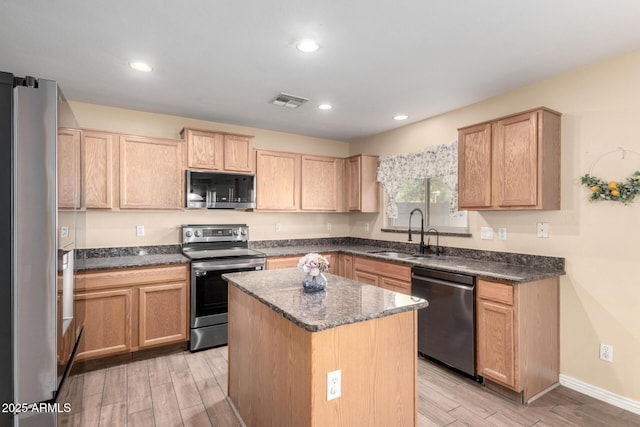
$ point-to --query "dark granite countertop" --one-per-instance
(524, 269)
(343, 302)
(110, 262)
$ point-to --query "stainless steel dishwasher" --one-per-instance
(446, 329)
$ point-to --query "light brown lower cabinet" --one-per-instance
(346, 265)
(388, 275)
(274, 263)
(106, 316)
(163, 314)
(518, 336)
(128, 309)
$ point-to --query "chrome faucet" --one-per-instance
(438, 248)
(422, 245)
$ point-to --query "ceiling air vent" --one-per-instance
(289, 101)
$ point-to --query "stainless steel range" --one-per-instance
(215, 250)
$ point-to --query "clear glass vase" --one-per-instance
(314, 283)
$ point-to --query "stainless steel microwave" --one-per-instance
(220, 190)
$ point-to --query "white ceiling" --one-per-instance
(224, 60)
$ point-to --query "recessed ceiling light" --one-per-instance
(307, 45)
(325, 107)
(140, 66)
(400, 117)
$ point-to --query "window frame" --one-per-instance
(426, 208)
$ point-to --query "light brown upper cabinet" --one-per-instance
(321, 183)
(277, 180)
(68, 168)
(511, 163)
(361, 185)
(238, 153)
(151, 173)
(97, 168)
(218, 151)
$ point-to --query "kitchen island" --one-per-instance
(283, 342)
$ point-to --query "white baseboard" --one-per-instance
(600, 394)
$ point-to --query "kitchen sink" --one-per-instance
(393, 254)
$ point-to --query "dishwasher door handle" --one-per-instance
(441, 282)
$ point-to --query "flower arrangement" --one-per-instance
(624, 191)
(313, 264)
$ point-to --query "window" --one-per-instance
(432, 196)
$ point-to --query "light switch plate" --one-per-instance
(486, 233)
(64, 232)
(139, 230)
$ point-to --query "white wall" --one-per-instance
(600, 295)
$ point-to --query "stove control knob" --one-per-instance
(188, 233)
(198, 233)
(243, 232)
(235, 232)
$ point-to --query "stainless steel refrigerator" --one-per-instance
(38, 331)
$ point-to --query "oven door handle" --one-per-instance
(202, 268)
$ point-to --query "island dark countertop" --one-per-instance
(343, 302)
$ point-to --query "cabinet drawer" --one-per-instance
(395, 271)
(493, 291)
(134, 276)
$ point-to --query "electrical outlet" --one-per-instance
(328, 226)
(486, 233)
(366, 226)
(502, 233)
(334, 384)
(278, 227)
(542, 229)
(64, 232)
(606, 352)
(139, 230)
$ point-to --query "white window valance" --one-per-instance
(439, 161)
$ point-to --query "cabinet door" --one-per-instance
(151, 173)
(515, 159)
(346, 266)
(319, 183)
(365, 277)
(354, 182)
(204, 149)
(277, 180)
(238, 150)
(163, 314)
(474, 167)
(68, 168)
(107, 319)
(395, 285)
(362, 189)
(496, 342)
(97, 165)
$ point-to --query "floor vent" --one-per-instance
(289, 101)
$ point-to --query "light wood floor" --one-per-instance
(188, 389)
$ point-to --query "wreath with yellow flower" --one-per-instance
(624, 191)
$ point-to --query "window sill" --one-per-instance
(413, 230)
